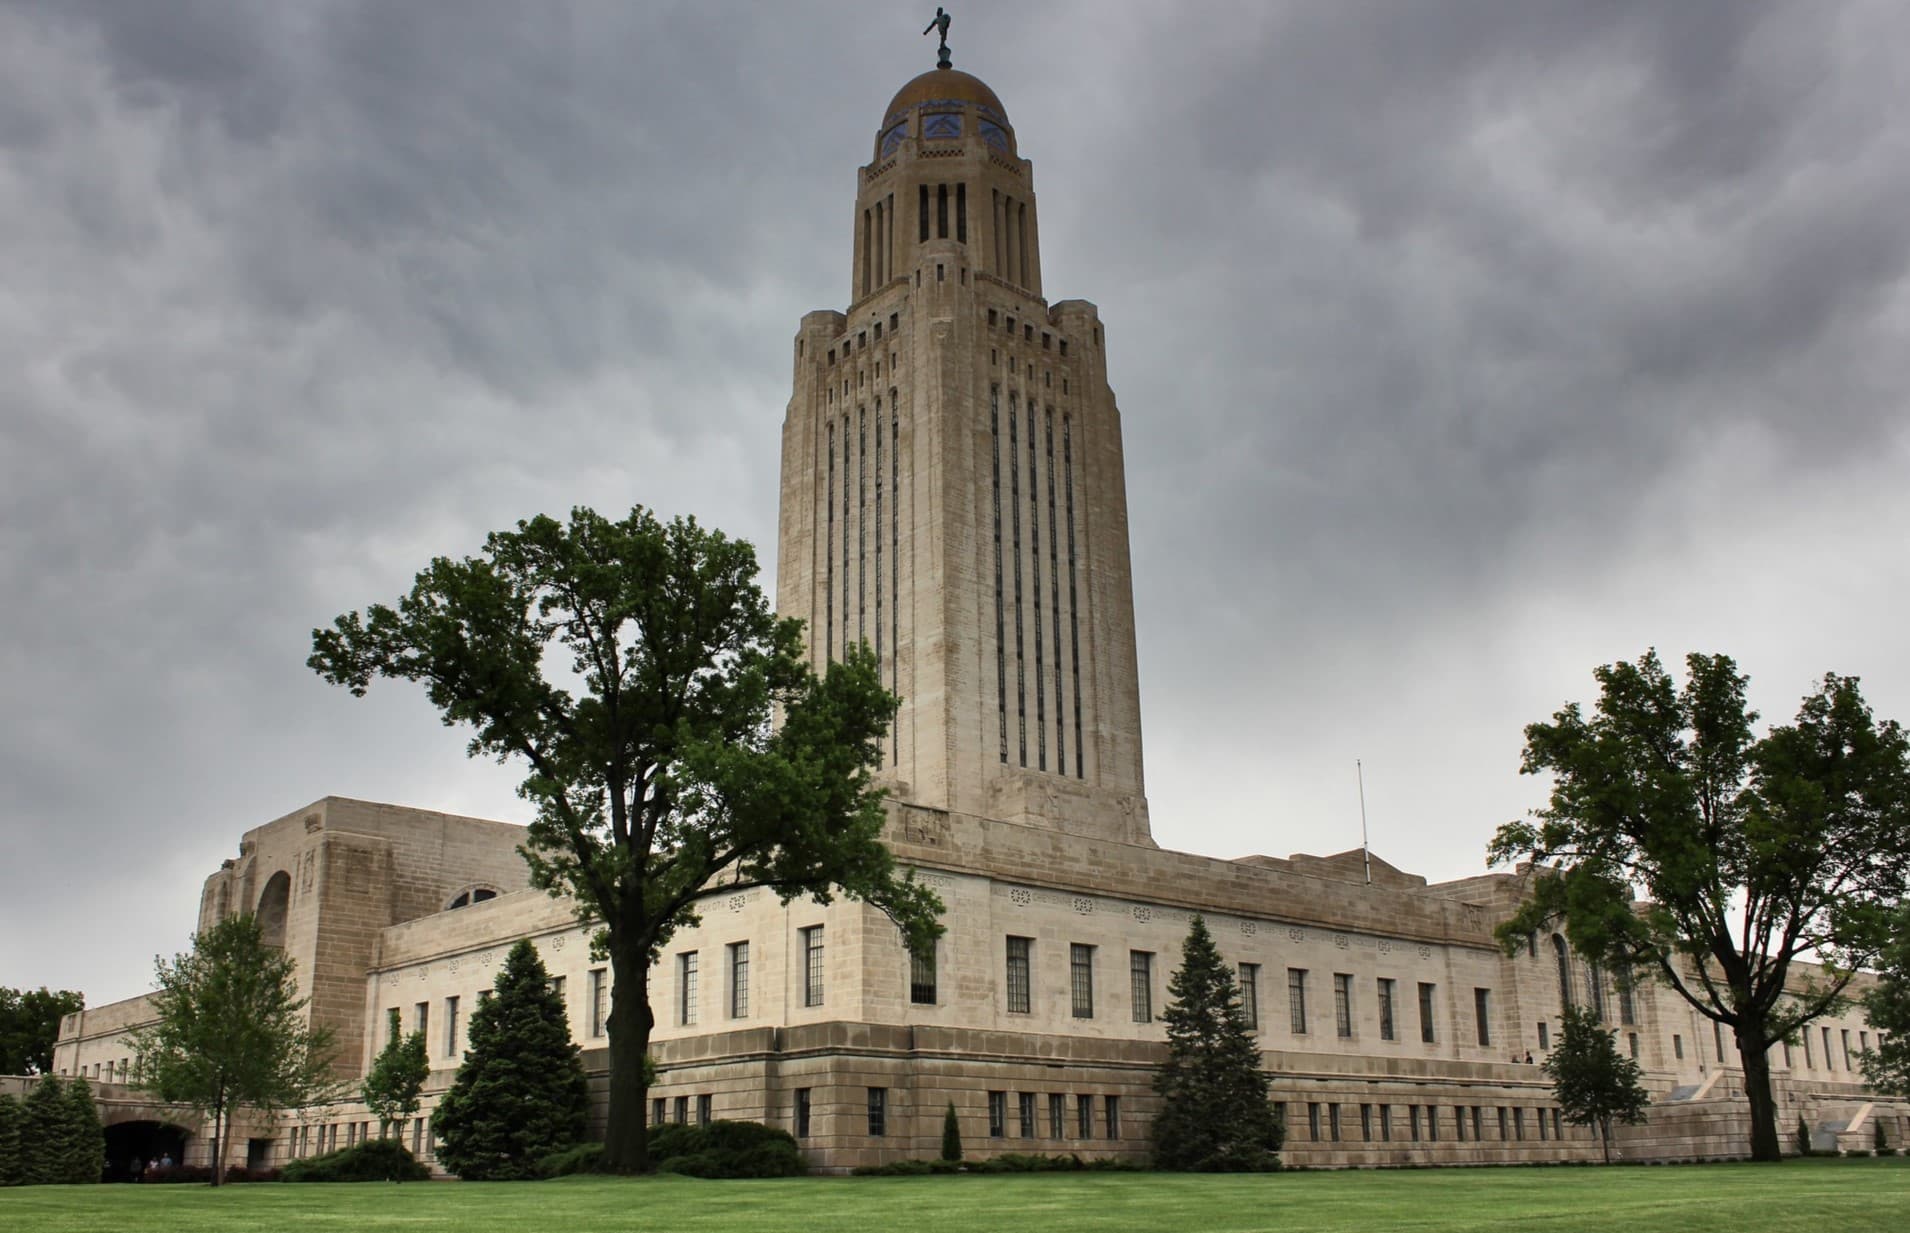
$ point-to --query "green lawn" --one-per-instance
(1842, 1195)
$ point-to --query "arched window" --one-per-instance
(476, 894)
(1565, 971)
(1597, 992)
(273, 904)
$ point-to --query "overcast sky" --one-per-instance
(1461, 347)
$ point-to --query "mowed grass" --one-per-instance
(1841, 1195)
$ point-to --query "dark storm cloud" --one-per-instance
(1460, 346)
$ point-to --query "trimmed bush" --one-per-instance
(584, 1158)
(376, 1160)
(725, 1149)
(239, 1173)
(198, 1174)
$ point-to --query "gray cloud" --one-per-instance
(1460, 347)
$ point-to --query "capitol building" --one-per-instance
(953, 495)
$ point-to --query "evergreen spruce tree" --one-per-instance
(85, 1161)
(43, 1133)
(1594, 1083)
(520, 1094)
(951, 1134)
(11, 1118)
(1214, 1111)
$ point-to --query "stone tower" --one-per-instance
(953, 491)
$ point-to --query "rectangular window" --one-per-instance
(686, 987)
(682, 1110)
(1482, 1014)
(1627, 1007)
(1313, 1120)
(1386, 1123)
(1296, 1000)
(739, 980)
(1631, 1038)
(557, 987)
(656, 1111)
(1544, 1133)
(1717, 1043)
(1081, 979)
(878, 1112)
(997, 1114)
(1333, 1121)
(1250, 995)
(1386, 986)
(1366, 1123)
(1412, 1114)
(1459, 1122)
(1426, 1030)
(812, 966)
(1027, 1111)
(703, 1109)
(1504, 1128)
(1019, 998)
(597, 983)
(1545, 1037)
(1432, 1123)
(1057, 1114)
(1518, 1122)
(1084, 1117)
(1140, 965)
(922, 975)
(1677, 1046)
(1113, 1106)
(1343, 1004)
(1828, 1063)
(1478, 1117)
(802, 1112)
(421, 1020)
(451, 1026)
(1805, 1035)
(1844, 1032)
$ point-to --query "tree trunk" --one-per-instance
(626, 1140)
(1753, 1051)
(218, 1124)
(1605, 1137)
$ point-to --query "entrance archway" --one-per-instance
(131, 1146)
(274, 902)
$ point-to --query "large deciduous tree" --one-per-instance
(1215, 1116)
(1887, 1006)
(634, 666)
(1747, 853)
(1594, 1083)
(231, 1032)
(29, 1024)
(520, 1094)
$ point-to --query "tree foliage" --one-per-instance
(951, 1134)
(1215, 1116)
(1747, 853)
(397, 1075)
(1594, 1083)
(231, 1032)
(12, 1122)
(520, 1094)
(30, 1024)
(1887, 1006)
(653, 763)
(85, 1139)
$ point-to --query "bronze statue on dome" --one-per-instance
(942, 18)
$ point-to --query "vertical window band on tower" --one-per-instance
(829, 553)
(1001, 648)
(845, 534)
(1034, 548)
(1054, 592)
(961, 212)
(1014, 501)
(895, 563)
(921, 212)
(1074, 601)
(876, 535)
(862, 524)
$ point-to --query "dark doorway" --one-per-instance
(258, 1154)
(132, 1146)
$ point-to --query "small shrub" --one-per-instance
(584, 1158)
(199, 1174)
(239, 1173)
(725, 1149)
(1886, 1151)
(376, 1160)
(951, 1135)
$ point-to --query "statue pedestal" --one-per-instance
(944, 62)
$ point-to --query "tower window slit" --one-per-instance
(862, 524)
(845, 535)
(941, 211)
(895, 561)
(994, 226)
(921, 211)
(1054, 593)
(829, 554)
(1014, 504)
(888, 243)
(1001, 649)
(1021, 239)
(1074, 600)
(875, 534)
(961, 212)
(1034, 550)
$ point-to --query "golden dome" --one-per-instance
(945, 84)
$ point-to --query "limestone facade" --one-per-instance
(953, 495)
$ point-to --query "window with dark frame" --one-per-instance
(1482, 1014)
(596, 980)
(1386, 1029)
(1141, 981)
(802, 1112)
(1026, 1107)
(1084, 1117)
(1343, 1004)
(878, 1112)
(812, 966)
(686, 987)
(739, 980)
(1081, 979)
(1057, 1115)
(1427, 1031)
(997, 1114)
(1250, 995)
(1296, 1000)
(922, 975)
(1020, 999)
